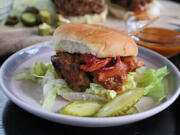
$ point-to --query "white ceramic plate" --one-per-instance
(28, 95)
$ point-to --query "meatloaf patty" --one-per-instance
(67, 67)
(78, 7)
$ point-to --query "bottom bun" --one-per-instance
(89, 18)
(81, 96)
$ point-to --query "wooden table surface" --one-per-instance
(13, 39)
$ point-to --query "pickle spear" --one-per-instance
(121, 103)
(81, 108)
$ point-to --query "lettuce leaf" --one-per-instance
(39, 69)
(99, 90)
(151, 80)
(52, 87)
(49, 98)
(130, 82)
(47, 77)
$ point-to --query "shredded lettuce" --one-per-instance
(39, 69)
(52, 85)
(130, 82)
(151, 80)
(99, 90)
(51, 88)
(49, 98)
(47, 77)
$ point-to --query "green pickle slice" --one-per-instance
(28, 19)
(121, 104)
(131, 110)
(81, 108)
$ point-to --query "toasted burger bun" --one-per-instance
(89, 18)
(120, 12)
(98, 40)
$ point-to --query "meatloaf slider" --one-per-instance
(93, 54)
(125, 8)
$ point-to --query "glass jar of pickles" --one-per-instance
(5, 10)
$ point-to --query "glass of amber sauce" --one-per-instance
(163, 36)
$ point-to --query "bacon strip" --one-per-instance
(107, 73)
(132, 63)
(118, 69)
(93, 63)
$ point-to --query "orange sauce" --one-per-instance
(164, 41)
(141, 15)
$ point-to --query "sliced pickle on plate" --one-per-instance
(121, 103)
(131, 110)
(81, 108)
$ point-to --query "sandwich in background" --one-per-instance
(125, 8)
(81, 11)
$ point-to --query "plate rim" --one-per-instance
(86, 121)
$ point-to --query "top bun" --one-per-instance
(98, 40)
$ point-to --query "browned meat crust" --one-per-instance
(112, 75)
(67, 67)
(133, 5)
(78, 7)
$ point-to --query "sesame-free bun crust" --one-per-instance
(97, 40)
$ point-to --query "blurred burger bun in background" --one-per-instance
(125, 8)
(81, 11)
